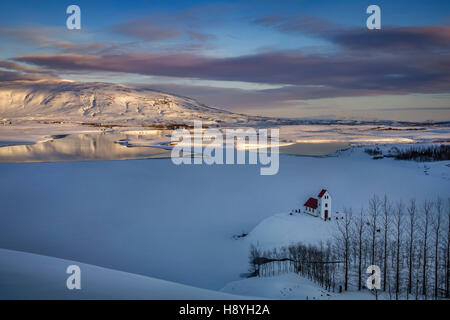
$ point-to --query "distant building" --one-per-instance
(320, 207)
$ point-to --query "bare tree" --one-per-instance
(412, 225)
(255, 255)
(427, 205)
(344, 228)
(359, 228)
(418, 264)
(398, 225)
(386, 222)
(374, 208)
(436, 229)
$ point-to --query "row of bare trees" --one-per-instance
(317, 263)
(409, 242)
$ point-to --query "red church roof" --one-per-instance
(311, 203)
(322, 193)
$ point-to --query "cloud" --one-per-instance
(397, 74)
(389, 38)
(92, 47)
(233, 98)
(32, 36)
(394, 60)
(19, 67)
(155, 33)
(418, 39)
(200, 36)
(15, 71)
(12, 76)
(56, 39)
(145, 29)
(297, 24)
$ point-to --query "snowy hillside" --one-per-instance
(284, 229)
(289, 286)
(31, 276)
(104, 103)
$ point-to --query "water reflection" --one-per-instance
(81, 147)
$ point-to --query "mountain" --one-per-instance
(106, 103)
(101, 103)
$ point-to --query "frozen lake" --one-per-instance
(121, 146)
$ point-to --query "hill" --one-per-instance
(31, 276)
(105, 103)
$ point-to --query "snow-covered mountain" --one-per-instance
(105, 103)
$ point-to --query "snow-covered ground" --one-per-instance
(289, 286)
(365, 134)
(284, 229)
(177, 223)
(31, 276)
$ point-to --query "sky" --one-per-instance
(297, 59)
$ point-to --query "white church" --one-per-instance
(320, 206)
